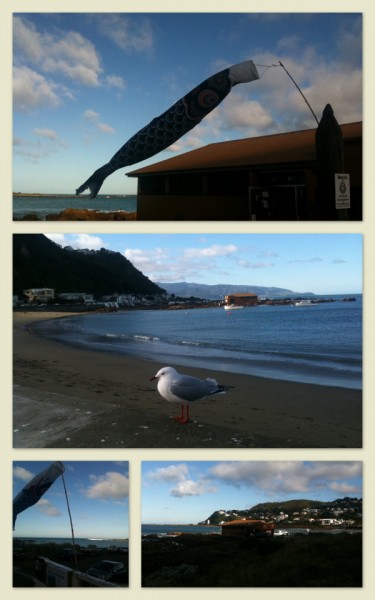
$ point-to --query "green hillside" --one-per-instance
(39, 262)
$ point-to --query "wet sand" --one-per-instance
(65, 397)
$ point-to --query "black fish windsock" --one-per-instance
(180, 118)
(34, 490)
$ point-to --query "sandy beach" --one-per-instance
(65, 397)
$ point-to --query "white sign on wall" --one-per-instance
(342, 190)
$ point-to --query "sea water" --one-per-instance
(41, 206)
(169, 530)
(99, 542)
(320, 344)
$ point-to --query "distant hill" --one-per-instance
(39, 262)
(269, 509)
(218, 291)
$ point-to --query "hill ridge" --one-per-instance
(39, 262)
(267, 509)
(219, 290)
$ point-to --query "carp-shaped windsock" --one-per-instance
(34, 490)
(180, 118)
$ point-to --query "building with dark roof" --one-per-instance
(273, 177)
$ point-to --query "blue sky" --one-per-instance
(98, 498)
(189, 492)
(318, 263)
(85, 83)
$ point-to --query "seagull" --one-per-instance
(175, 387)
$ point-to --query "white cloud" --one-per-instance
(247, 264)
(74, 56)
(115, 81)
(83, 74)
(274, 103)
(344, 488)
(111, 486)
(92, 117)
(179, 474)
(80, 241)
(313, 259)
(27, 40)
(344, 95)
(287, 476)
(192, 488)
(190, 141)
(23, 474)
(244, 115)
(160, 265)
(67, 53)
(30, 151)
(46, 144)
(129, 34)
(104, 128)
(349, 44)
(32, 90)
(170, 474)
(47, 133)
(51, 136)
(47, 508)
(148, 259)
(41, 57)
(211, 251)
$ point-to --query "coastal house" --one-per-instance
(281, 517)
(241, 299)
(127, 300)
(79, 297)
(330, 521)
(42, 295)
(247, 527)
(273, 177)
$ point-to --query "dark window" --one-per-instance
(224, 183)
(155, 184)
(186, 183)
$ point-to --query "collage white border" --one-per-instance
(8, 454)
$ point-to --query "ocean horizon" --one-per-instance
(170, 530)
(80, 541)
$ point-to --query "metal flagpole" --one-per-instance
(71, 523)
(300, 91)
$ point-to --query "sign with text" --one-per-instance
(342, 190)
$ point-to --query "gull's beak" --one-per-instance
(153, 378)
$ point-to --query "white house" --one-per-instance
(39, 294)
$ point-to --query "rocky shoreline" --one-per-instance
(80, 214)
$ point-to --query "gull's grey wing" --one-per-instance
(191, 388)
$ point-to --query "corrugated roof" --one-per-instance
(297, 146)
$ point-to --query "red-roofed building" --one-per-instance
(241, 299)
(247, 527)
(273, 177)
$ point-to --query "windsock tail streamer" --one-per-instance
(34, 490)
(95, 182)
(180, 118)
